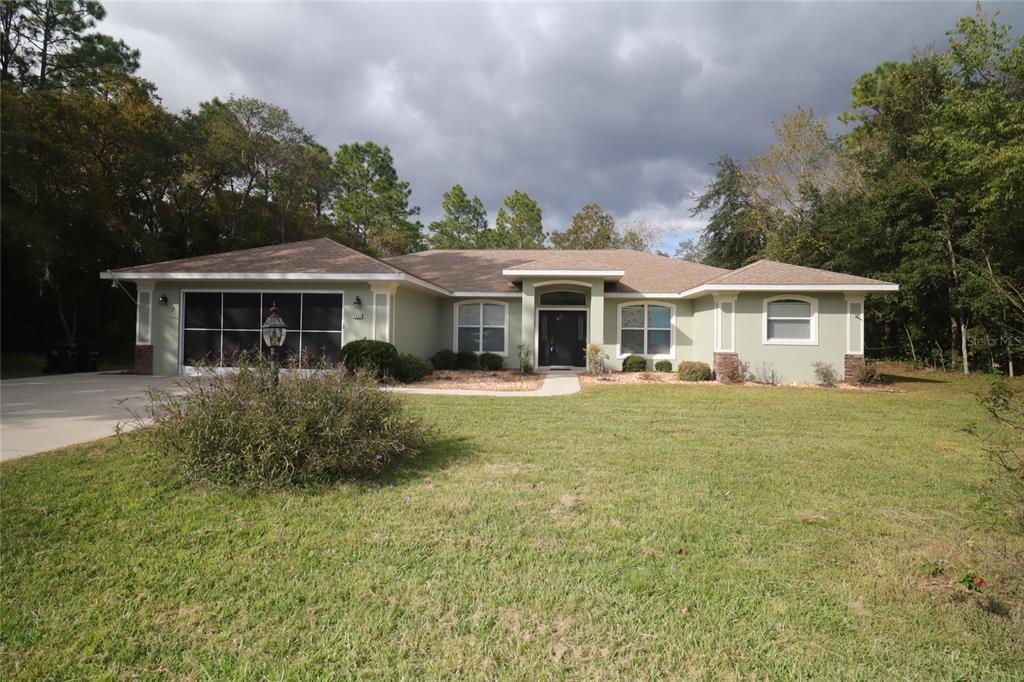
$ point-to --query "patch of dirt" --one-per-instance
(480, 380)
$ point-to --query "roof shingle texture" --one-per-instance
(482, 270)
(310, 256)
(773, 272)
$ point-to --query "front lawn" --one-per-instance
(628, 531)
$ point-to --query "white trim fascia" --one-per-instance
(813, 341)
(708, 288)
(563, 273)
(620, 294)
(487, 294)
(455, 325)
(272, 276)
(672, 331)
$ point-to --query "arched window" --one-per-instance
(560, 298)
(646, 329)
(482, 327)
(791, 320)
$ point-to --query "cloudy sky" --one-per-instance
(622, 104)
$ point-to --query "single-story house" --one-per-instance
(775, 317)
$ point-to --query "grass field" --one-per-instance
(625, 532)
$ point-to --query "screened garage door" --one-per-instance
(218, 326)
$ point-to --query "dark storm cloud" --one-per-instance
(626, 105)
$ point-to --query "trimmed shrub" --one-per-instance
(868, 373)
(381, 356)
(694, 371)
(663, 366)
(444, 359)
(411, 368)
(466, 359)
(634, 363)
(826, 373)
(314, 427)
(735, 373)
(491, 362)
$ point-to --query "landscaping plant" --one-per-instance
(444, 359)
(490, 362)
(825, 373)
(525, 358)
(690, 370)
(634, 363)
(663, 366)
(411, 368)
(596, 357)
(466, 359)
(239, 428)
(866, 374)
(380, 356)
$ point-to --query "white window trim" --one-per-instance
(455, 324)
(813, 341)
(671, 329)
(850, 300)
(187, 370)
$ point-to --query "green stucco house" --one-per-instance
(777, 318)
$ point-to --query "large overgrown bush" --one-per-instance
(444, 359)
(380, 356)
(734, 372)
(634, 363)
(694, 371)
(466, 359)
(313, 427)
(411, 368)
(491, 361)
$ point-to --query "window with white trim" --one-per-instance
(790, 320)
(645, 329)
(481, 327)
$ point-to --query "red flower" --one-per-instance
(979, 581)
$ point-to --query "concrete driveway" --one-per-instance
(43, 413)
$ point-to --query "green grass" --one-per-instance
(630, 531)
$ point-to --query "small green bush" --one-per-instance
(444, 359)
(381, 356)
(314, 427)
(411, 368)
(826, 373)
(466, 359)
(868, 373)
(663, 366)
(634, 363)
(694, 371)
(491, 362)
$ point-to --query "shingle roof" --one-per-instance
(773, 272)
(311, 256)
(481, 271)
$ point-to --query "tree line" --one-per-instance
(926, 188)
(98, 173)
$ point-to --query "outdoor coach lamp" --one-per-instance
(274, 331)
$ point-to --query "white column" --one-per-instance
(854, 324)
(144, 314)
(527, 325)
(383, 310)
(725, 322)
(597, 312)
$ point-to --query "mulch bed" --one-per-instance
(589, 380)
(480, 380)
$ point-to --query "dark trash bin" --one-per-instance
(73, 356)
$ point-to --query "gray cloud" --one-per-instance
(626, 105)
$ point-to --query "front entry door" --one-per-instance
(562, 337)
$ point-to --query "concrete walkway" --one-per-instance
(555, 383)
(47, 412)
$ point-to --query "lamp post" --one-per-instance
(274, 330)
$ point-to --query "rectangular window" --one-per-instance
(221, 326)
(481, 327)
(789, 320)
(645, 329)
